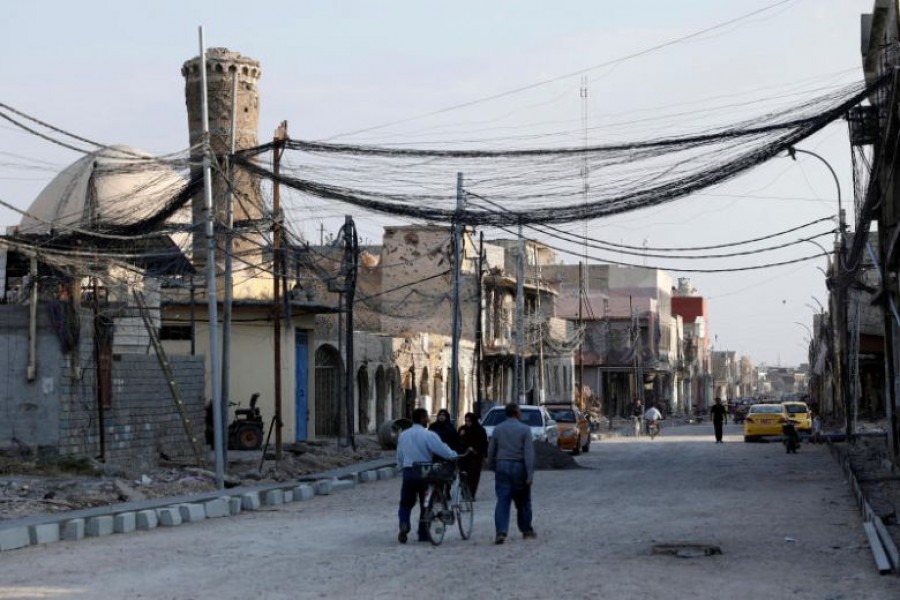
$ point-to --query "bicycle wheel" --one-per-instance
(433, 522)
(465, 511)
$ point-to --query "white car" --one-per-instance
(543, 427)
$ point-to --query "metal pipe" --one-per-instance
(228, 290)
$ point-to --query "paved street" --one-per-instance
(785, 523)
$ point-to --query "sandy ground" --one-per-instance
(786, 525)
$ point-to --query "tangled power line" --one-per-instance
(542, 186)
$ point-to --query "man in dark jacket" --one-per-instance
(719, 415)
(511, 454)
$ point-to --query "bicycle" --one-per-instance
(443, 510)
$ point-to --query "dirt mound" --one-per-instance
(30, 486)
(548, 457)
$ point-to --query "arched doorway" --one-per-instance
(328, 366)
(380, 398)
(362, 388)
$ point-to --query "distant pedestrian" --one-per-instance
(472, 435)
(416, 445)
(511, 454)
(719, 415)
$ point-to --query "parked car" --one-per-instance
(799, 411)
(543, 427)
(573, 426)
(763, 419)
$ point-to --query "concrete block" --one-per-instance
(288, 496)
(17, 537)
(341, 485)
(73, 529)
(44, 534)
(191, 513)
(250, 501)
(303, 492)
(386, 473)
(234, 505)
(323, 487)
(125, 522)
(169, 516)
(274, 497)
(216, 508)
(368, 476)
(146, 519)
(99, 526)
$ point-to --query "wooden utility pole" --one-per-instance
(479, 330)
(454, 319)
(277, 241)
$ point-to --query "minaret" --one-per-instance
(222, 66)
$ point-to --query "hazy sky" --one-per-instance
(111, 72)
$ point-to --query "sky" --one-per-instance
(110, 71)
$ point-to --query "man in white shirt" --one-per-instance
(416, 445)
(652, 414)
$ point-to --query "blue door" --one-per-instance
(301, 373)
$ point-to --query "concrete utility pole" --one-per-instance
(212, 300)
(454, 321)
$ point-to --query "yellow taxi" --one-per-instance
(799, 411)
(574, 429)
(763, 419)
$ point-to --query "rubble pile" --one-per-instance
(31, 486)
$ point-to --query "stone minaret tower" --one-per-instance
(221, 66)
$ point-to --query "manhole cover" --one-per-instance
(687, 550)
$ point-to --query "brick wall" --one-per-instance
(142, 422)
(59, 408)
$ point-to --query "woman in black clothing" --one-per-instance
(444, 428)
(472, 435)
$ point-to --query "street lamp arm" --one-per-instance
(804, 326)
(792, 152)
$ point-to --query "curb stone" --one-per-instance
(150, 514)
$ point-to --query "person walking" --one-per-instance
(637, 413)
(416, 445)
(443, 426)
(472, 435)
(511, 455)
(719, 415)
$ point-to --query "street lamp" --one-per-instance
(839, 315)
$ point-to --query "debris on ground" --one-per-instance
(30, 485)
(548, 457)
(687, 550)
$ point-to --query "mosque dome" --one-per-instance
(113, 187)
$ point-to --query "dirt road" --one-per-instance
(786, 526)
